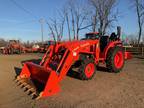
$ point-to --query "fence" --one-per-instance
(135, 50)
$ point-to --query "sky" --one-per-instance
(16, 23)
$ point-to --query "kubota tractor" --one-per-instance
(44, 79)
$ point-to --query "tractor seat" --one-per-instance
(113, 37)
(103, 42)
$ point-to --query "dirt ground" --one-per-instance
(105, 90)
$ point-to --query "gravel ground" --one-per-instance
(105, 90)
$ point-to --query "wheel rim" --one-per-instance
(118, 59)
(89, 70)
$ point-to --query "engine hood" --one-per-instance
(75, 45)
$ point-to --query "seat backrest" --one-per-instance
(103, 42)
(113, 37)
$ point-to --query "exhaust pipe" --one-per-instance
(118, 32)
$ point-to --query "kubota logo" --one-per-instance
(84, 45)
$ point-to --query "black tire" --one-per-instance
(19, 51)
(110, 62)
(82, 69)
(11, 51)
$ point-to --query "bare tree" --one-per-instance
(56, 26)
(68, 25)
(139, 5)
(132, 39)
(143, 40)
(73, 17)
(3, 42)
(105, 12)
(65, 20)
(51, 30)
(94, 22)
(77, 13)
(76, 16)
(62, 27)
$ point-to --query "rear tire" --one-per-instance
(115, 59)
(11, 51)
(87, 69)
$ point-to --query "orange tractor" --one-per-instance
(44, 79)
(13, 47)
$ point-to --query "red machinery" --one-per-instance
(85, 55)
(13, 47)
(42, 47)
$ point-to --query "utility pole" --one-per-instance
(42, 30)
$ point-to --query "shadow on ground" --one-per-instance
(41, 86)
(17, 71)
(76, 74)
(102, 69)
(72, 73)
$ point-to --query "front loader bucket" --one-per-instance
(38, 81)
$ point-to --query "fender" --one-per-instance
(111, 45)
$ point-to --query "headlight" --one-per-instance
(74, 54)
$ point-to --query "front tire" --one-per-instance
(87, 69)
(115, 59)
